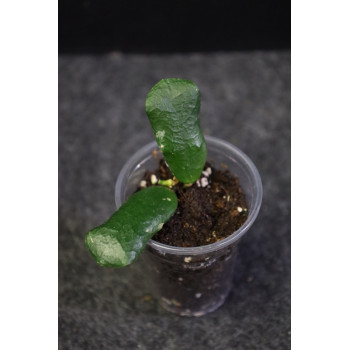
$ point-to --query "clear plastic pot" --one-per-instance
(193, 281)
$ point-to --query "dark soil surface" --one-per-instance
(208, 211)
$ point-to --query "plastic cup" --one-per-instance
(193, 281)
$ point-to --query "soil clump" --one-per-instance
(208, 211)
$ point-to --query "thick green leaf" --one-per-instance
(173, 107)
(120, 240)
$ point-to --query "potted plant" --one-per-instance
(192, 275)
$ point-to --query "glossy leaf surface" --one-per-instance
(120, 240)
(172, 107)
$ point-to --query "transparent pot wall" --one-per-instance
(192, 284)
(194, 281)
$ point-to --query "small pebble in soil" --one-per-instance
(143, 184)
(205, 173)
(187, 259)
(204, 182)
(154, 179)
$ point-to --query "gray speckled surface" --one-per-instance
(246, 101)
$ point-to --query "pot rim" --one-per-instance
(237, 156)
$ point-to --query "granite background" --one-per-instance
(245, 101)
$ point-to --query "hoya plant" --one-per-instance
(172, 107)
